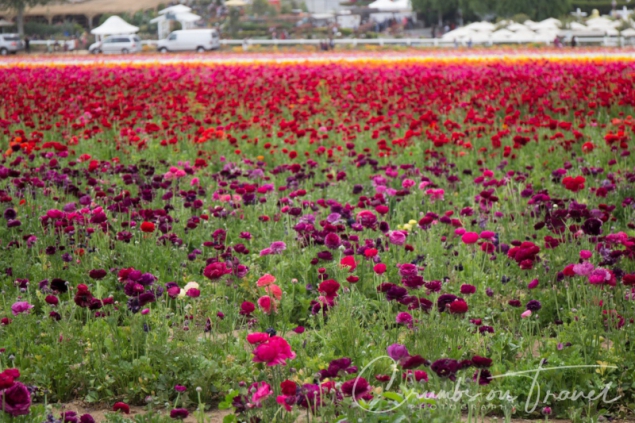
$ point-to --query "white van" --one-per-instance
(199, 40)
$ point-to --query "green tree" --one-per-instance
(18, 6)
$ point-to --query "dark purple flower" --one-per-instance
(15, 400)
(446, 368)
(534, 305)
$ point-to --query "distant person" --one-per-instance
(331, 44)
(245, 44)
(456, 43)
(27, 44)
(469, 43)
(574, 42)
(434, 31)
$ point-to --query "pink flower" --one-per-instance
(21, 307)
(459, 231)
(404, 318)
(379, 268)
(274, 290)
(407, 183)
(266, 252)
(278, 247)
(599, 276)
(275, 351)
(266, 280)
(194, 182)
(193, 293)
(397, 237)
(257, 338)
(526, 314)
(583, 269)
(469, 237)
(533, 284)
(266, 304)
(259, 391)
(488, 235)
(436, 194)
(585, 254)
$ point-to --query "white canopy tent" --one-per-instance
(114, 25)
(391, 6)
(630, 32)
(179, 13)
(481, 26)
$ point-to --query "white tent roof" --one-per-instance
(179, 8)
(390, 6)
(551, 21)
(502, 35)
(517, 27)
(578, 26)
(602, 23)
(114, 25)
(630, 32)
(481, 26)
(458, 34)
(181, 17)
(524, 35)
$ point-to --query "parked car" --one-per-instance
(10, 43)
(123, 44)
(199, 40)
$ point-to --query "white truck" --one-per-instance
(199, 40)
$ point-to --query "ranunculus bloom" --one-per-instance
(21, 307)
(397, 237)
(574, 184)
(193, 293)
(15, 400)
(288, 387)
(446, 368)
(349, 261)
(275, 351)
(97, 274)
(259, 391)
(533, 284)
(332, 241)
(379, 268)
(397, 352)
(215, 271)
(121, 406)
(179, 413)
(417, 375)
(265, 280)
(468, 289)
(257, 338)
(469, 238)
(147, 227)
(246, 308)
(266, 304)
(404, 318)
(275, 291)
(356, 388)
(458, 307)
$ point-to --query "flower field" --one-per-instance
(343, 240)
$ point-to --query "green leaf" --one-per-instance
(392, 396)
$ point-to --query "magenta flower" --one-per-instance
(397, 237)
(275, 351)
(278, 247)
(259, 391)
(21, 307)
(16, 400)
(583, 269)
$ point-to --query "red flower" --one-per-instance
(349, 261)
(329, 288)
(574, 184)
(216, 271)
(458, 307)
(379, 268)
(147, 227)
(121, 406)
(288, 387)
